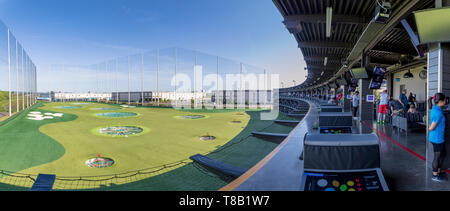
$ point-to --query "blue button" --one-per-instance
(330, 189)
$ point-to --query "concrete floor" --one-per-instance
(406, 170)
(402, 160)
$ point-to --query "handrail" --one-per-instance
(237, 182)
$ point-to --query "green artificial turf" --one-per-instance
(62, 145)
(22, 145)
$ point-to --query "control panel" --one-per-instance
(344, 180)
(335, 130)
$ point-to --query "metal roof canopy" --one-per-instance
(354, 32)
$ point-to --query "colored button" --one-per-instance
(359, 189)
(336, 183)
(343, 187)
(350, 183)
(330, 189)
(351, 189)
(322, 183)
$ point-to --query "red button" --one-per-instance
(359, 189)
(358, 185)
(357, 180)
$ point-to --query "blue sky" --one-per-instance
(84, 32)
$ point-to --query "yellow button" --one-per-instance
(351, 189)
(350, 183)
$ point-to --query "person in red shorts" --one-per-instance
(339, 98)
(384, 100)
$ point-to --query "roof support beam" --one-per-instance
(316, 67)
(292, 21)
(331, 59)
(365, 44)
(323, 44)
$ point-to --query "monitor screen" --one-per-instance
(351, 89)
(378, 71)
(433, 25)
(359, 73)
(375, 84)
(377, 78)
(354, 83)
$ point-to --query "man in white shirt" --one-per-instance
(382, 108)
(355, 105)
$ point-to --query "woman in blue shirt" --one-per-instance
(436, 135)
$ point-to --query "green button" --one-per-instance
(343, 187)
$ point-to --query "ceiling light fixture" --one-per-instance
(408, 74)
(329, 19)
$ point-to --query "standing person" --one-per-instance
(411, 98)
(404, 100)
(384, 100)
(355, 105)
(339, 98)
(436, 135)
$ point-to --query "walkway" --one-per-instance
(402, 160)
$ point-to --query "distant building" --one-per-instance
(153, 96)
(248, 97)
(82, 96)
(131, 96)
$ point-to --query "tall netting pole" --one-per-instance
(32, 84)
(117, 83)
(219, 100)
(35, 84)
(142, 78)
(23, 84)
(195, 80)
(241, 95)
(17, 78)
(9, 72)
(107, 82)
(97, 82)
(28, 82)
(129, 75)
(27, 75)
(157, 76)
(176, 96)
(63, 81)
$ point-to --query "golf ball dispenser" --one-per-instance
(335, 122)
(344, 162)
(330, 108)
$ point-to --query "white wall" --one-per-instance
(415, 85)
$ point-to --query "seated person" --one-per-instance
(395, 106)
(412, 109)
